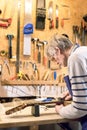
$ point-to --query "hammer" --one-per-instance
(44, 53)
(35, 41)
(10, 37)
(39, 52)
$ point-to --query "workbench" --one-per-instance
(24, 117)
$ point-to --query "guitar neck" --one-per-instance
(24, 105)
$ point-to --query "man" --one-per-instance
(64, 52)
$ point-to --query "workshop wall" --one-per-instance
(70, 14)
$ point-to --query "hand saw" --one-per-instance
(28, 27)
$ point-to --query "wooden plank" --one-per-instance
(38, 82)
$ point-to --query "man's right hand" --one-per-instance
(66, 95)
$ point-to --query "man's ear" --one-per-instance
(58, 50)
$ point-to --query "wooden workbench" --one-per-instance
(25, 118)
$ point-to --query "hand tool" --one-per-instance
(40, 14)
(0, 70)
(10, 37)
(3, 24)
(49, 64)
(46, 75)
(39, 45)
(35, 41)
(3, 53)
(0, 11)
(22, 76)
(62, 22)
(32, 103)
(57, 18)
(83, 33)
(44, 52)
(66, 15)
(28, 27)
(50, 15)
(18, 39)
(55, 86)
(85, 17)
(36, 74)
(6, 22)
(7, 65)
(76, 32)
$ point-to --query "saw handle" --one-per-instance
(10, 36)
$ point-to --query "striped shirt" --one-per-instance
(77, 68)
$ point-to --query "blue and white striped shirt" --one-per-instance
(77, 68)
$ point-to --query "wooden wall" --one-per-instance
(77, 8)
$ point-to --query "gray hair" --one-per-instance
(60, 41)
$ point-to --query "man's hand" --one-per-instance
(66, 95)
(58, 107)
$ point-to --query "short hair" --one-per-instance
(60, 41)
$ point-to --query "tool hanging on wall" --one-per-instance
(18, 39)
(10, 37)
(6, 22)
(83, 33)
(57, 18)
(40, 14)
(35, 41)
(85, 28)
(44, 52)
(28, 28)
(3, 14)
(66, 14)
(39, 45)
(36, 75)
(6, 63)
(0, 11)
(76, 33)
(50, 15)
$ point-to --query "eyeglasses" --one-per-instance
(54, 57)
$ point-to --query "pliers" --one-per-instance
(7, 65)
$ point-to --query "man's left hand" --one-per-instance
(58, 107)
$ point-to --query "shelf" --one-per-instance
(27, 83)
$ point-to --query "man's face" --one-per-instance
(60, 58)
